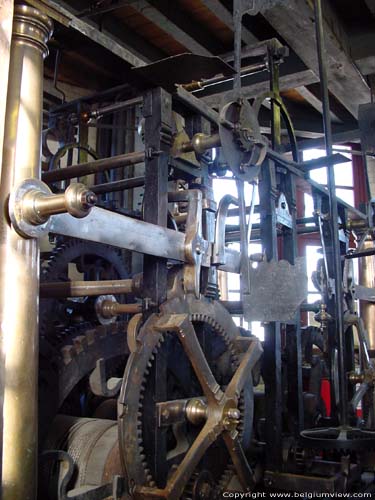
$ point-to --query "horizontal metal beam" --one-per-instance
(294, 21)
(306, 77)
(130, 234)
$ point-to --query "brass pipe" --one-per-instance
(367, 279)
(111, 308)
(89, 288)
(200, 143)
(93, 167)
(19, 257)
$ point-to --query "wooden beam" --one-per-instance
(155, 16)
(306, 77)
(294, 21)
(68, 19)
(226, 17)
(315, 102)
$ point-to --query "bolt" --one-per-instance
(233, 414)
(198, 250)
(89, 199)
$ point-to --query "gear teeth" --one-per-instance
(80, 343)
(68, 353)
(234, 360)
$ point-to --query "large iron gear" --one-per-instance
(95, 261)
(64, 367)
(217, 335)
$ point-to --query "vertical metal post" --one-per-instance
(19, 258)
(237, 21)
(333, 216)
(272, 346)
(157, 111)
(6, 20)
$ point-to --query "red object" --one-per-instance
(325, 392)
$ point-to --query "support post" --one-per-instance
(19, 257)
(158, 127)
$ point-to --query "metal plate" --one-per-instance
(276, 291)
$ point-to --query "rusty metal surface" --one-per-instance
(222, 403)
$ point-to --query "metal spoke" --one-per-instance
(243, 469)
(243, 372)
(178, 481)
(181, 324)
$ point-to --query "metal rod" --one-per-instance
(65, 289)
(93, 167)
(111, 187)
(245, 71)
(19, 258)
(333, 213)
(111, 309)
(117, 106)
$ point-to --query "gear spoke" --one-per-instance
(244, 472)
(180, 324)
(243, 372)
(178, 481)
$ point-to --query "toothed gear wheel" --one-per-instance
(143, 387)
(63, 369)
(94, 261)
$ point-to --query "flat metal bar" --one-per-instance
(128, 233)
(93, 167)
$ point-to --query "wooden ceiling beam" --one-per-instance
(226, 17)
(294, 21)
(64, 15)
(159, 19)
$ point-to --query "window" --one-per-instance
(343, 173)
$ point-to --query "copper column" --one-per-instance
(19, 257)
